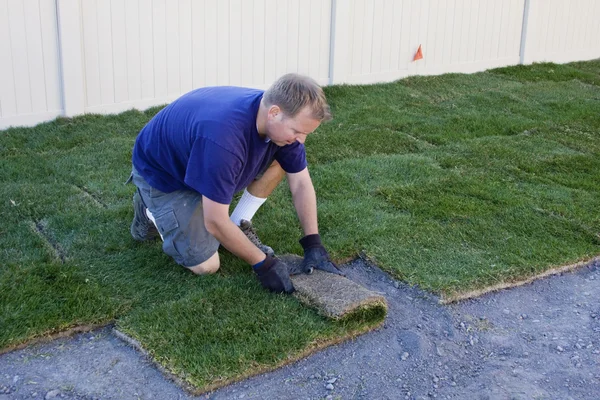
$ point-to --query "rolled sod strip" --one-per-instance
(334, 296)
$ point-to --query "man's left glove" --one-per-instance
(315, 256)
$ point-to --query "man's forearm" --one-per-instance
(233, 239)
(305, 202)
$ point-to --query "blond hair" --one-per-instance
(293, 92)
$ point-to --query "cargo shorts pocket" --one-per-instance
(166, 222)
(167, 225)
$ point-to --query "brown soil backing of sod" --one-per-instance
(182, 381)
(185, 384)
(54, 335)
(333, 296)
(455, 297)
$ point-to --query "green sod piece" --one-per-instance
(453, 182)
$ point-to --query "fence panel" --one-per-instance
(29, 66)
(561, 31)
(148, 52)
(455, 35)
(68, 57)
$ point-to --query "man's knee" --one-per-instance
(274, 173)
(275, 164)
(209, 266)
(277, 169)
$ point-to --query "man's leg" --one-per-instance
(209, 266)
(257, 192)
(254, 197)
(264, 186)
(141, 227)
(179, 219)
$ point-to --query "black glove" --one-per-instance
(315, 256)
(273, 275)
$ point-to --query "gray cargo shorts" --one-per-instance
(180, 220)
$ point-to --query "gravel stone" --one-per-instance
(52, 394)
(329, 386)
(6, 389)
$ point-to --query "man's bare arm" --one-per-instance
(305, 200)
(218, 224)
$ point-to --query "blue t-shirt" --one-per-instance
(207, 141)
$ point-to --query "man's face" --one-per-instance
(283, 130)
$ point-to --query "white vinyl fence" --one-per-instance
(562, 30)
(70, 57)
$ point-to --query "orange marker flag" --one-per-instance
(419, 54)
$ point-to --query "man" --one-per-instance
(196, 153)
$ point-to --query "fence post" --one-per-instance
(526, 42)
(68, 16)
(340, 32)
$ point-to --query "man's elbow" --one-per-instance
(303, 189)
(216, 216)
(212, 225)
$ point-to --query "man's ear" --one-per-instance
(274, 111)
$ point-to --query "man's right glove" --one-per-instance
(273, 274)
(316, 257)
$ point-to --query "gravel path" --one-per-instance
(537, 341)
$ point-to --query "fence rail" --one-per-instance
(69, 57)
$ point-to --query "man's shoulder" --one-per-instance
(218, 105)
(221, 94)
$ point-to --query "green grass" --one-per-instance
(452, 182)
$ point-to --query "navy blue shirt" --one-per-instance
(207, 141)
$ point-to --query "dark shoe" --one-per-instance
(141, 226)
(246, 227)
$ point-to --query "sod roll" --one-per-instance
(334, 296)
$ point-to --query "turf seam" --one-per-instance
(425, 142)
(549, 180)
(53, 245)
(573, 222)
(95, 199)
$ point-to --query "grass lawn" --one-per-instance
(452, 182)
